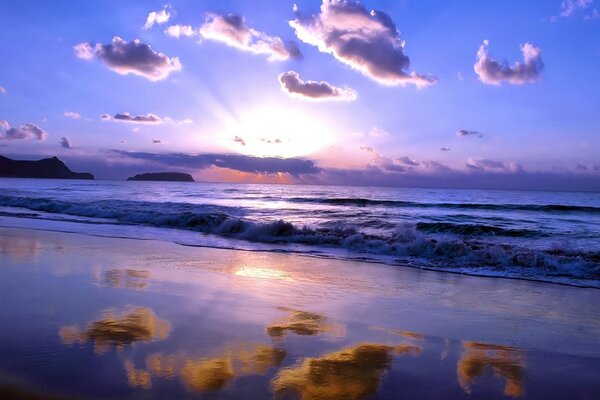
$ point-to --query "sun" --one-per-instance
(275, 131)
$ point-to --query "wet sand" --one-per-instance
(90, 317)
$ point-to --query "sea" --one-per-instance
(544, 236)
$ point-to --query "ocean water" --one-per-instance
(549, 236)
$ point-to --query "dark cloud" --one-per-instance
(465, 132)
(238, 162)
(581, 167)
(493, 72)
(239, 140)
(156, 141)
(23, 132)
(139, 119)
(312, 90)
(445, 148)
(367, 41)
(105, 117)
(132, 57)
(407, 161)
(65, 142)
(232, 30)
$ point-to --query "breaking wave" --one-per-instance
(407, 243)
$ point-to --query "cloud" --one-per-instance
(177, 31)
(465, 132)
(159, 17)
(239, 140)
(65, 142)
(493, 72)
(105, 117)
(568, 7)
(312, 90)
(2, 90)
(72, 115)
(132, 57)
(407, 161)
(445, 148)
(232, 30)
(152, 119)
(238, 162)
(595, 14)
(484, 164)
(156, 141)
(367, 41)
(24, 132)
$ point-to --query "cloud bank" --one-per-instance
(23, 132)
(493, 72)
(312, 90)
(367, 41)
(132, 57)
(238, 162)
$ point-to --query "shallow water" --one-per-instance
(96, 317)
(551, 236)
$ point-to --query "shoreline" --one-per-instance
(178, 312)
(582, 285)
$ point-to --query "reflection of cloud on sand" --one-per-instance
(210, 373)
(129, 278)
(138, 325)
(19, 247)
(506, 362)
(137, 377)
(303, 323)
(351, 373)
(399, 332)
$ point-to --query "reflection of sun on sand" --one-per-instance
(303, 323)
(211, 373)
(261, 273)
(137, 325)
(506, 362)
(351, 373)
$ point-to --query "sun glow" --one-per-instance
(277, 131)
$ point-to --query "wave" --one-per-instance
(475, 229)
(406, 244)
(362, 202)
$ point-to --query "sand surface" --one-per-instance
(92, 317)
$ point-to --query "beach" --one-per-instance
(95, 317)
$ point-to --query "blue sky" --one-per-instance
(227, 99)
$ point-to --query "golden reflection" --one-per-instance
(399, 332)
(351, 373)
(137, 377)
(19, 247)
(261, 273)
(129, 278)
(505, 362)
(210, 373)
(303, 323)
(138, 325)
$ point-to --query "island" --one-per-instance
(162, 177)
(47, 168)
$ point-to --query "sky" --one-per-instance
(494, 94)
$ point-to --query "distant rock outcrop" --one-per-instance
(163, 176)
(49, 168)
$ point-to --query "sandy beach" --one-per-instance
(93, 317)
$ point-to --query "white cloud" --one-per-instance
(24, 132)
(72, 115)
(177, 31)
(367, 41)
(159, 17)
(493, 72)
